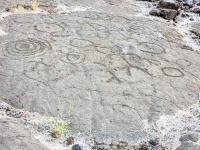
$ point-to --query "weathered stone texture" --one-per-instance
(117, 70)
(15, 136)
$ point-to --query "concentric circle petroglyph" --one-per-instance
(183, 62)
(172, 72)
(50, 28)
(151, 48)
(74, 58)
(26, 48)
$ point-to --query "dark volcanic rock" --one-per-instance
(55, 134)
(14, 113)
(168, 9)
(165, 13)
(158, 147)
(184, 15)
(153, 142)
(191, 5)
(194, 137)
(188, 140)
(70, 140)
(122, 145)
(155, 12)
(168, 4)
(149, 0)
(195, 30)
(184, 138)
(42, 127)
(194, 36)
(196, 10)
(168, 13)
(76, 147)
(188, 146)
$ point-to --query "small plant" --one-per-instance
(21, 8)
(17, 6)
(13, 6)
(35, 4)
(58, 124)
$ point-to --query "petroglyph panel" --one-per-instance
(116, 69)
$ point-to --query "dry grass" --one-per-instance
(58, 124)
(35, 4)
(21, 8)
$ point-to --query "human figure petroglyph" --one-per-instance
(114, 77)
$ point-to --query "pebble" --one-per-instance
(153, 142)
(70, 140)
(193, 36)
(8, 109)
(191, 19)
(196, 10)
(158, 147)
(191, 6)
(15, 114)
(122, 144)
(55, 134)
(42, 127)
(76, 147)
(194, 137)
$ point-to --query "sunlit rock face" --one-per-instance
(117, 70)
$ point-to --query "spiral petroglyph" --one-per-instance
(26, 48)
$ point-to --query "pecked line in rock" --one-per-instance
(117, 70)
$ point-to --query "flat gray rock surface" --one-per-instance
(15, 136)
(115, 68)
